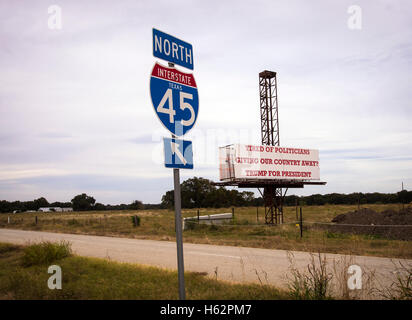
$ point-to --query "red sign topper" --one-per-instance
(174, 75)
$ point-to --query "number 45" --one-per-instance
(183, 105)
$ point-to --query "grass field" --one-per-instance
(246, 230)
(88, 278)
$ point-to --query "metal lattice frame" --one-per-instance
(269, 117)
(273, 198)
(269, 120)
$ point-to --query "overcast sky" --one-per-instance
(76, 114)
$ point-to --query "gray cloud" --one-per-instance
(75, 102)
(106, 189)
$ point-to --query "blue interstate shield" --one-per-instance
(175, 98)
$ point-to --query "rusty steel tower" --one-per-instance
(269, 121)
(269, 116)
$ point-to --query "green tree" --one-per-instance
(99, 206)
(168, 200)
(194, 192)
(200, 193)
(83, 202)
(40, 203)
(136, 205)
(405, 196)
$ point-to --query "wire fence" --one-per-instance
(234, 224)
(390, 231)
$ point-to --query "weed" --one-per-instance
(135, 221)
(6, 248)
(191, 225)
(378, 244)
(89, 278)
(312, 285)
(401, 287)
(45, 253)
(73, 222)
(241, 222)
(331, 235)
(340, 272)
(258, 276)
(243, 230)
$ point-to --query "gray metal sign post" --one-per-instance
(178, 228)
(179, 239)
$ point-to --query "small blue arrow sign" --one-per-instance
(178, 153)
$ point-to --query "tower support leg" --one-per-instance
(273, 198)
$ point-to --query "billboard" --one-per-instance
(243, 161)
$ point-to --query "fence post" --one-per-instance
(136, 221)
(198, 216)
(35, 220)
(233, 214)
(257, 214)
(301, 223)
(296, 205)
(8, 220)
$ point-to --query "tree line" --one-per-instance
(201, 193)
(352, 198)
(81, 202)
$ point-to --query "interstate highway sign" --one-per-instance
(175, 98)
(178, 153)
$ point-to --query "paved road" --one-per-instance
(238, 264)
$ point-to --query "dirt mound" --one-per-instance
(368, 216)
(388, 224)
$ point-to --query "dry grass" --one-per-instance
(312, 284)
(90, 278)
(45, 253)
(247, 230)
(401, 287)
(327, 278)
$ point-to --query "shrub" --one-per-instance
(73, 222)
(135, 221)
(191, 225)
(45, 253)
(313, 285)
(214, 227)
(6, 248)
